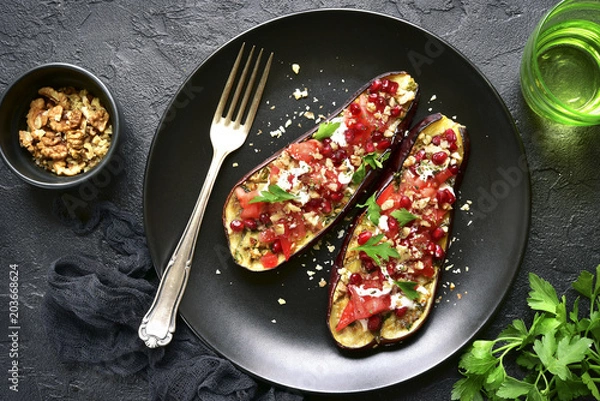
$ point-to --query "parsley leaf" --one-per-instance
(326, 130)
(408, 288)
(377, 250)
(560, 350)
(403, 216)
(274, 194)
(372, 159)
(373, 209)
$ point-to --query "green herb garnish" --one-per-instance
(274, 194)
(408, 288)
(378, 251)
(326, 130)
(403, 216)
(373, 209)
(559, 352)
(372, 159)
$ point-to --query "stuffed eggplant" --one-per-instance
(384, 279)
(290, 200)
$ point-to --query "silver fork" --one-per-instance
(226, 135)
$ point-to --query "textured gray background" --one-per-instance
(144, 51)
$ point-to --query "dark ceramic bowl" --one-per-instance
(14, 106)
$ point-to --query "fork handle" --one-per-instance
(158, 325)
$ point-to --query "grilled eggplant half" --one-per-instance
(384, 280)
(291, 199)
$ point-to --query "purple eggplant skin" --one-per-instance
(369, 180)
(393, 168)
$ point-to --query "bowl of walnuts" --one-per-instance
(59, 126)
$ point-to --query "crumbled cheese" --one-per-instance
(218, 271)
(296, 68)
(433, 97)
(281, 301)
(322, 283)
(235, 164)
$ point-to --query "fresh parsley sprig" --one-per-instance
(371, 159)
(559, 353)
(408, 288)
(377, 250)
(326, 130)
(403, 216)
(373, 209)
(273, 194)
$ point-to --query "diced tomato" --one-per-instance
(304, 151)
(443, 176)
(269, 260)
(286, 247)
(267, 236)
(362, 306)
(347, 316)
(427, 270)
(387, 193)
(273, 174)
(249, 210)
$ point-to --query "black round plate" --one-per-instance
(239, 313)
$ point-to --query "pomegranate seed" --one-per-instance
(339, 156)
(326, 150)
(395, 111)
(439, 253)
(420, 155)
(374, 323)
(453, 147)
(370, 265)
(380, 103)
(393, 87)
(265, 218)
(431, 247)
(355, 109)
(438, 234)
(251, 224)
(377, 136)
(392, 224)
(362, 255)
(276, 246)
(349, 135)
(355, 279)
(385, 85)
(436, 140)
(384, 144)
(359, 127)
(363, 237)
(441, 197)
(450, 198)
(369, 147)
(236, 225)
(450, 135)
(453, 169)
(325, 206)
(372, 97)
(405, 202)
(445, 196)
(375, 85)
(401, 311)
(336, 196)
(438, 158)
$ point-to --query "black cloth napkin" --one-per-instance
(94, 305)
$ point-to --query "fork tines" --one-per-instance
(233, 102)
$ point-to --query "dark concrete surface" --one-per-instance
(144, 50)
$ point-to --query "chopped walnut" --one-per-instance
(68, 131)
